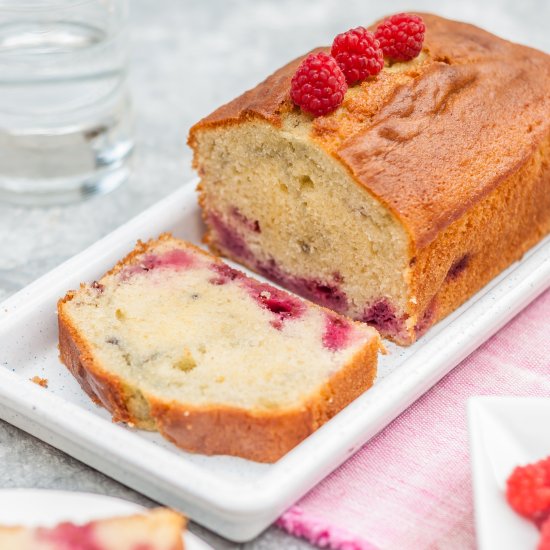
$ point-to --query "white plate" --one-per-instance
(235, 497)
(505, 432)
(35, 508)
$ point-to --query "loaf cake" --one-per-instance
(174, 340)
(425, 183)
(159, 529)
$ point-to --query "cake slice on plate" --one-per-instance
(174, 340)
(159, 529)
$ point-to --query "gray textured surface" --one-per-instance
(187, 58)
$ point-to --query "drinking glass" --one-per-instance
(65, 121)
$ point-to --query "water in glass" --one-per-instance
(65, 124)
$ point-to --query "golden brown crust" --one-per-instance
(434, 139)
(486, 240)
(267, 101)
(263, 436)
(444, 142)
(102, 387)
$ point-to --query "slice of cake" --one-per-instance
(174, 340)
(425, 183)
(159, 529)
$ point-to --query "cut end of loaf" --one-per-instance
(275, 202)
(175, 340)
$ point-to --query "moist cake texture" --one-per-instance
(174, 340)
(159, 529)
(428, 181)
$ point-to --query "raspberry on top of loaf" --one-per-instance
(319, 84)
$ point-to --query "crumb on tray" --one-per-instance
(40, 381)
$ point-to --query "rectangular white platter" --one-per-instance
(234, 497)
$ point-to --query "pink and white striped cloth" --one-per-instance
(410, 487)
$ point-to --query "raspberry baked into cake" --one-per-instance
(389, 186)
(159, 529)
(174, 340)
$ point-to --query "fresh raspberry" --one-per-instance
(358, 54)
(401, 36)
(528, 489)
(541, 519)
(319, 85)
(544, 542)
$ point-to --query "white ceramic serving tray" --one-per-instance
(232, 496)
(505, 432)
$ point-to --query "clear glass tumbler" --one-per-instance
(65, 121)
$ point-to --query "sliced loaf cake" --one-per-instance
(425, 183)
(174, 340)
(159, 529)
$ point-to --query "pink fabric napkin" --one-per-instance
(410, 486)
